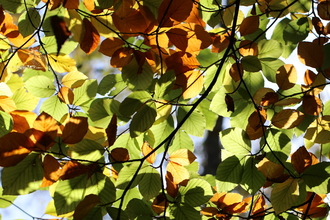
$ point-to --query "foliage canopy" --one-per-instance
(122, 145)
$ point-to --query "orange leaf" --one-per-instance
(286, 76)
(66, 95)
(52, 171)
(288, 118)
(146, 149)
(259, 207)
(248, 48)
(23, 120)
(184, 157)
(171, 12)
(269, 98)
(119, 154)
(73, 168)
(311, 54)
(312, 105)
(270, 169)
(14, 148)
(75, 130)
(181, 62)
(132, 22)
(159, 204)
(111, 130)
(60, 30)
(194, 16)
(32, 58)
(227, 199)
(309, 77)
(249, 25)
(260, 94)
(178, 172)
(209, 211)
(110, 45)
(91, 37)
(46, 123)
(171, 187)
(255, 126)
(189, 38)
(220, 42)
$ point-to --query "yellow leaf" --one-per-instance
(270, 169)
(74, 79)
(286, 76)
(7, 104)
(194, 84)
(184, 157)
(178, 172)
(73, 20)
(62, 63)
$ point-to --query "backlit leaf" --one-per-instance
(236, 141)
(146, 150)
(173, 12)
(183, 157)
(178, 172)
(74, 130)
(249, 25)
(310, 54)
(286, 76)
(288, 118)
(91, 38)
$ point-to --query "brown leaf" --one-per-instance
(22, 120)
(194, 16)
(249, 25)
(146, 149)
(132, 22)
(286, 76)
(269, 98)
(111, 130)
(73, 168)
(119, 155)
(220, 42)
(209, 211)
(230, 103)
(66, 95)
(71, 4)
(270, 169)
(322, 40)
(309, 77)
(236, 71)
(42, 140)
(181, 62)
(52, 171)
(60, 30)
(14, 148)
(288, 118)
(121, 57)
(110, 45)
(255, 128)
(260, 94)
(75, 130)
(171, 13)
(312, 105)
(301, 159)
(91, 37)
(311, 54)
(323, 9)
(85, 206)
(317, 23)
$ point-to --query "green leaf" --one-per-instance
(85, 93)
(133, 102)
(143, 119)
(269, 49)
(139, 209)
(29, 73)
(243, 110)
(137, 77)
(126, 175)
(86, 150)
(29, 21)
(133, 145)
(317, 177)
(68, 193)
(25, 100)
(161, 131)
(197, 192)
(50, 45)
(270, 67)
(206, 57)
(279, 145)
(150, 183)
(218, 103)
(23, 178)
(40, 86)
(251, 64)
(181, 141)
(195, 123)
(184, 212)
(210, 117)
(131, 194)
(54, 107)
(6, 123)
(284, 195)
(114, 212)
(229, 173)
(164, 84)
(101, 185)
(253, 81)
(6, 201)
(252, 179)
(112, 84)
(15, 82)
(18, 6)
(236, 141)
